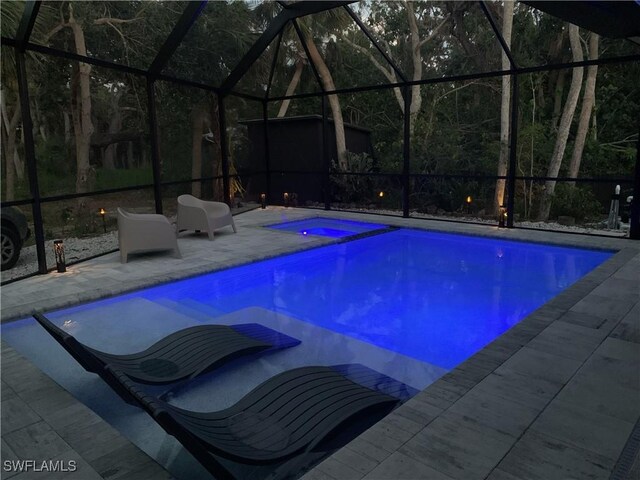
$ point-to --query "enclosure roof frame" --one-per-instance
(290, 11)
(28, 20)
(190, 14)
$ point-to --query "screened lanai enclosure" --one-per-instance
(489, 112)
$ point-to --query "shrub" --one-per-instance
(575, 201)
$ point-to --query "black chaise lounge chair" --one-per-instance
(182, 355)
(286, 421)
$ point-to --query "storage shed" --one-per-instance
(296, 154)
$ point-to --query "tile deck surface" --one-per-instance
(555, 397)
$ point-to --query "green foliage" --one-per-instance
(577, 202)
(456, 130)
(353, 188)
(116, 178)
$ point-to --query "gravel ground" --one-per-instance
(74, 248)
(81, 248)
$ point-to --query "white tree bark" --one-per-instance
(588, 100)
(81, 108)
(293, 84)
(334, 102)
(564, 126)
(505, 117)
(416, 59)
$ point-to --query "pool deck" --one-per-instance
(555, 397)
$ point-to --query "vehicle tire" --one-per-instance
(9, 247)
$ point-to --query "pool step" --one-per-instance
(191, 308)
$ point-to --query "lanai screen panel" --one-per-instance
(222, 34)
(127, 33)
(11, 15)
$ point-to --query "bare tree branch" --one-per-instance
(435, 30)
(110, 20)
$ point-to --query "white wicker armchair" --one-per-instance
(145, 232)
(196, 214)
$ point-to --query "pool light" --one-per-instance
(263, 200)
(58, 250)
(286, 199)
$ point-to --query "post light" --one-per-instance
(502, 217)
(58, 250)
(103, 213)
(469, 200)
(286, 199)
(381, 194)
(263, 200)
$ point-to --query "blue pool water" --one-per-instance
(434, 297)
(327, 227)
(410, 304)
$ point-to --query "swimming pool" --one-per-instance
(327, 227)
(410, 304)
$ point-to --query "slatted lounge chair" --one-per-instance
(282, 421)
(182, 355)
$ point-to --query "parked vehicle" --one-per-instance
(15, 231)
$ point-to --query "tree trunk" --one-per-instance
(81, 110)
(505, 117)
(39, 125)
(416, 61)
(556, 56)
(9, 126)
(557, 98)
(67, 127)
(115, 125)
(588, 100)
(565, 124)
(334, 103)
(291, 88)
(197, 122)
(144, 156)
(131, 158)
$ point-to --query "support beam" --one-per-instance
(260, 45)
(290, 12)
(498, 33)
(326, 155)
(371, 38)
(267, 153)
(634, 216)
(156, 163)
(406, 152)
(30, 158)
(28, 20)
(472, 76)
(513, 146)
(188, 17)
(224, 154)
(272, 71)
